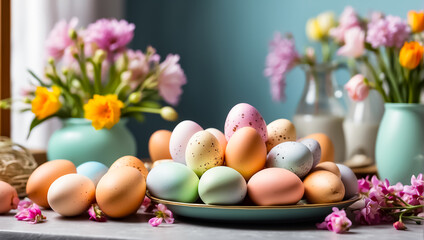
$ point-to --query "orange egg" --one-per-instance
(120, 192)
(327, 146)
(159, 145)
(323, 187)
(328, 166)
(40, 180)
(246, 152)
(130, 161)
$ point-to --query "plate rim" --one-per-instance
(236, 207)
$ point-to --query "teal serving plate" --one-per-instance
(288, 213)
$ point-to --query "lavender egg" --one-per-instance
(314, 147)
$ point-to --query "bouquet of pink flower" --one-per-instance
(100, 78)
(392, 50)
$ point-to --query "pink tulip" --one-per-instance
(354, 43)
(356, 88)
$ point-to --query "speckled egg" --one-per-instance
(130, 161)
(314, 147)
(121, 192)
(93, 170)
(275, 186)
(220, 136)
(179, 139)
(71, 194)
(327, 146)
(203, 152)
(245, 115)
(292, 156)
(349, 180)
(8, 197)
(246, 152)
(279, 131)
(40, 180)
(173, 181)
(222, 185)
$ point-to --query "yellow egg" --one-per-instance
(203, 152)
(246, 152)
(220, 136)
(130, 161)
(40, 180)
(71, 194)
(279, 131)
(120, 192)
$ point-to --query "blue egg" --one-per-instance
(93, 170)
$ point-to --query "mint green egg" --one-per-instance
(173, 181)
(222, 186)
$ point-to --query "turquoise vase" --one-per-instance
(79, 142)
(400, 142)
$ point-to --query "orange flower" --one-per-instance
(45, 103)
(411, 54)
(416, 21)
(103, 111)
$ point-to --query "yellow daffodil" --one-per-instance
(103, 111)
(411, 54)
(416, 21)
(46, 103)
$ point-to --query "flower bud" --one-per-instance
(76, 84)
(135, 97)
(6, 105)
(26, 100)
(310, 54)
(72, 34)
(50, 61)
(126, 77)
(169, 114)
(399, 225)
(99, 56)
(65, 71)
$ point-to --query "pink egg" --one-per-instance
(245, 115)
(179, 139)
(220, 136)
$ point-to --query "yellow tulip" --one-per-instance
(313, 30)
(46, 103)
(326, 21)
(103, 111)
(416, 21)
(411, 54)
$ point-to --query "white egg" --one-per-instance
(179, 139)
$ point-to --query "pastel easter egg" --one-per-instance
(323, 187)
(203, 152)
(222, 185)
(292, 156)
(245, 115)
(179, 139)
(327, 146)
(315, 148)
(93, 170)
(349, 180)
(246, 152)
(8, 197)
(275, 186)
(279, 131)
(159, 145)
(71, 194)
(220, 136)
(173, 181)
(130, 161)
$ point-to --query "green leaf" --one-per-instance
(25, 110)
(35, 123)
(38, 79)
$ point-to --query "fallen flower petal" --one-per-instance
(162, 213)
(31, 214)
(336, 222)
(399, 225)
(96, 214)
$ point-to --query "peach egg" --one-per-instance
(130, 161)
(327, 146)
(323, 187)
(159, 145)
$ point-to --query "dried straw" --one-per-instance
(16, 164)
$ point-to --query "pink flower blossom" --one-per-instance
(371, 214)
(354, 43)
(399, 225)
(58, 40)
(281, 58)
(337, 222)
(364, 185)
(348, 19)
(110, 35)
(96, 214)
(26, 203)
(171, 79)
(356, 88)
(30, 213)
(162, 214)
(390, 31)
(147, 205)
(414, 194)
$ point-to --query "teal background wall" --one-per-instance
(223, 45)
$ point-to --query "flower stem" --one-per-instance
(142, 109)
(378, 85)
(392, 80)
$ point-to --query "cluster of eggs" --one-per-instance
(265, 164)
(68, 190)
